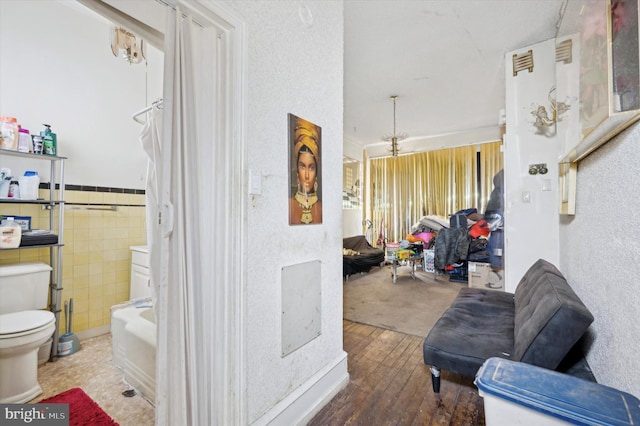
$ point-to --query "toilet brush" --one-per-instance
(68, 343)
(74, 338)
(65, 342)
(66, 317)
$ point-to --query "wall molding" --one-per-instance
(299, 406)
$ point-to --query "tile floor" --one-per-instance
(92, 369)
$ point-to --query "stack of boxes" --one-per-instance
(481, 275)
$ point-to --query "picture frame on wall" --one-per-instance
(305, 172)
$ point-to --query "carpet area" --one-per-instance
(409, 306)
(82, 409)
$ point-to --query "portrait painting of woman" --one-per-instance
(305, 200)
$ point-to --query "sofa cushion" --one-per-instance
(549, 317)
(478, 325)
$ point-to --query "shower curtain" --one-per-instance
(184, 362)
(150, 139)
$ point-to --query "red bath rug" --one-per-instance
(82, 409)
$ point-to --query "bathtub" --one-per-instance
(133, 342)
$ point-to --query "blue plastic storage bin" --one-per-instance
(516, 393)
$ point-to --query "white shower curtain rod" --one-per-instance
(137, 115)
(172, 5)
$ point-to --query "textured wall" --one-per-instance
(531, 212)
(292, 67)
(600, 257)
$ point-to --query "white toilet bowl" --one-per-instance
(21, 335)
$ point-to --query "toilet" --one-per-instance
(24, 327)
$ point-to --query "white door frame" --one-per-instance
(228, 391)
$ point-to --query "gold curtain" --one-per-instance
(491, 160)
(403, 189)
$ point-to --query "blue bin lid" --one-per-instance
(559, 395)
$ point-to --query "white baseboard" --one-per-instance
(307, 400)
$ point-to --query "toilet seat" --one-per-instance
(23, 323)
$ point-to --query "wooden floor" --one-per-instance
(390, 385)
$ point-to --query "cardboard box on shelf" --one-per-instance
(481, 275)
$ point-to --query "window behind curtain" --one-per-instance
(404, 189)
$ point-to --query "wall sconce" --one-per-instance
(541, 115)
(125, 44)
(535, 169)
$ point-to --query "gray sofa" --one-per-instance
(539, 325)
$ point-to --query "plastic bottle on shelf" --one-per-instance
(29, 184)
(14, 189)
(24, 141)
(9, 133)
(10, 233)
(49, 141)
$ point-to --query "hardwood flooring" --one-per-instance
(390, 385)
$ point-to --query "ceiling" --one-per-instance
(444, 59)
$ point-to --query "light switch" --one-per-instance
(546, 184)
(526, 197)
(255, 183)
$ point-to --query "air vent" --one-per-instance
(564, 51)
(523, 62)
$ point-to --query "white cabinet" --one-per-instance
(140, 281)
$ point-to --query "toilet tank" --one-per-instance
(24, 286)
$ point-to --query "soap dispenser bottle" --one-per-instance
(49, 141)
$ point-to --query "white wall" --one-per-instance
(600, 257)
(531, 228)
(291, 68)
(352, 222)
(64, 74)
